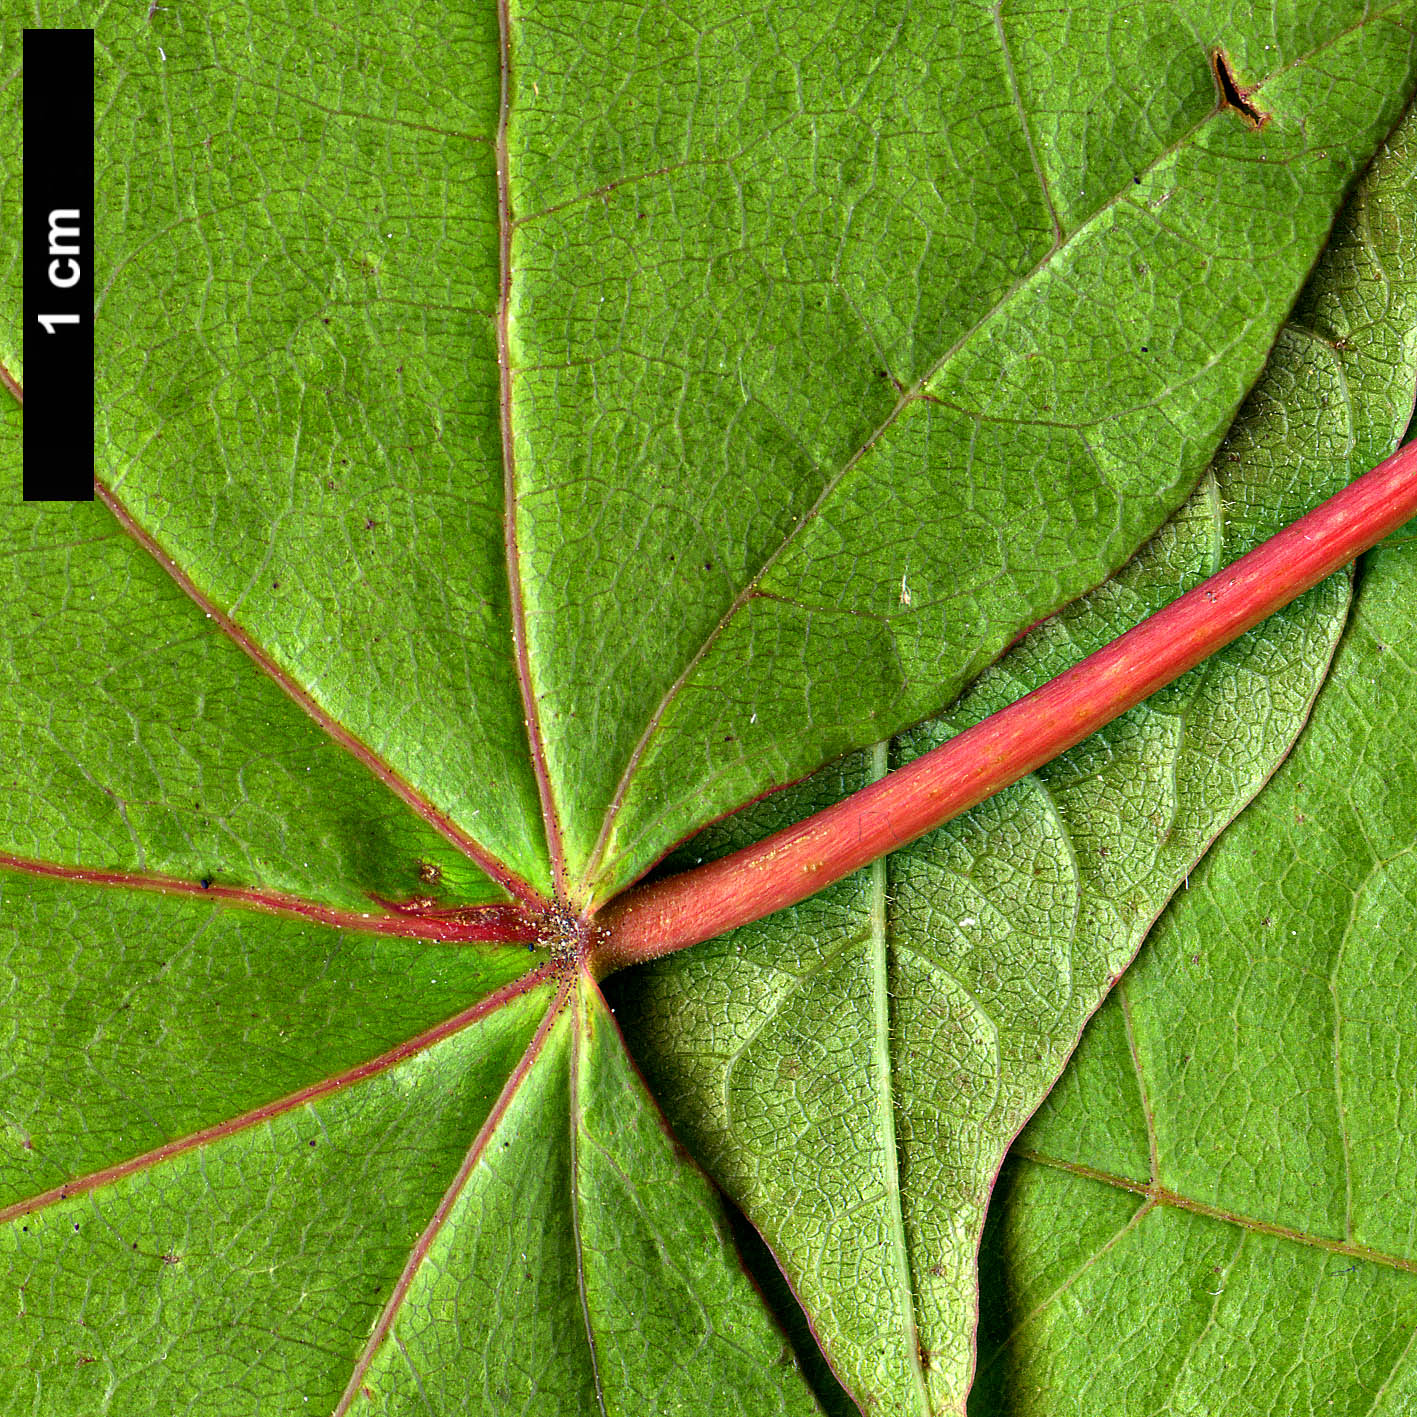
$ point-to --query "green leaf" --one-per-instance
(251, 1191)
(528, 433)
(1229, 1160)
(149, 745)
(784, 310)
(1232, 1144)
(629, 1308)
(266, 1184)
(957, 973)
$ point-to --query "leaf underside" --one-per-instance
(958, 972)
(1279, 987)
(1233, 1143)
(525, 438)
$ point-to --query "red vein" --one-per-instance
(801, 860)
(82, 1185)
(341, 735)
(530, 712)
(13, 384)
(1159, 1195)
(489, 923)
(425, 1241)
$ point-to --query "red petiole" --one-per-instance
(787, 867)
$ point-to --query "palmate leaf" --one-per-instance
(838, 348)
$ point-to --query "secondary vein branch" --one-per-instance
(265, 660)
(530, 710)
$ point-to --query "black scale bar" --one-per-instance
(58, 265)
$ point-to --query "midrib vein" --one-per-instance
(314, 1092)
(885, 1115)
(531, 713)
(578, 1039)
(265, 661)
(1159, 1195)
(424, 1244)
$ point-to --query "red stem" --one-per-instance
(801, 860)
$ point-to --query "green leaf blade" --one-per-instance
(254, 1261)
(319, 448)
(1006, 928)
(1260, 1039)
(583, 1267)
(137, 1019)
(1028, 454)
(141, 739)
(819, 383)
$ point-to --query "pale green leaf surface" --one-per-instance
(829, 374)
(131, 1019)
(11, 351)
(243, 1276)
(1272, 1235)
(905, 1023)
(137, 737)
(748, 344)
(636, 1308)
